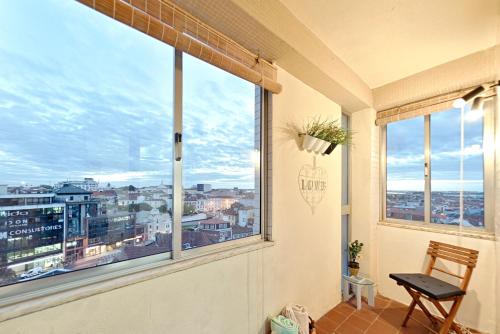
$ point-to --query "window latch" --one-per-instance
(426, 169)
(178, 146)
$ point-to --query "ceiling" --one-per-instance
(386, 40)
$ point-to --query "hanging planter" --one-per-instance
(322, 137)
(309, 143)
(313, 144)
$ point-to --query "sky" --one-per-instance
(405, 152)
(82, 95)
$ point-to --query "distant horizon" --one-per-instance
(433, 191)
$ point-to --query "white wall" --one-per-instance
(234, 295)
(364, 187)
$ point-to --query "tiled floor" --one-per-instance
(385, 317)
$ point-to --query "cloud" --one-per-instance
(77, 103)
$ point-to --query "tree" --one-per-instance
(189, 209)
(7, 275)
(163, 208)
(136, 207)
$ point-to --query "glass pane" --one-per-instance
(86, 133)
(221, 174)
(445, 161)
(405, 169)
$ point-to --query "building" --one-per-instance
(203, 187)
(108, 232)
(79, 205)
(155, 223)
(218, 226)
(87, 183)
(31, 232)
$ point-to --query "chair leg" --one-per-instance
(416, 299)
(445, 314)
(451, 315)
(410, 311)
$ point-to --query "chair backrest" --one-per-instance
(464, 256)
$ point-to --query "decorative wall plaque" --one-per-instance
(313, 181)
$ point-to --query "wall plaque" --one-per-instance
(313, 181)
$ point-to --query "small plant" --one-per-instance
(328, 130)
(354, 250)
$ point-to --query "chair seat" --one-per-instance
(428, 285)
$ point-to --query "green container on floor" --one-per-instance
(283, 325)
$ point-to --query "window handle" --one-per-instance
(426, 169)
(178, 146)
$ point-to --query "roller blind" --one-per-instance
(423, 107)
(170, 24)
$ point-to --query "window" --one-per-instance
(437, 168)
(405, 175)
(87, 145)
(447, 191)
(221, 155)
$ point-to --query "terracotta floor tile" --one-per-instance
(381, 303)
(420, 317)
(348, 328)
(335, 317)
(380, 327)
(392, 316)
(414, 328)
(367, 314)
(326, 325)
(345, 309)
(321, 331)
(395, 304)
(385, 318)
(358, 322)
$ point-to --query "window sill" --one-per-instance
(443, 230)
(19, 305)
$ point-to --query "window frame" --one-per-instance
(93, 280)
(489, 118)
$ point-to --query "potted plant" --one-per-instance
(314, 134)
(322, 136)
(337, 136)
(354, 251)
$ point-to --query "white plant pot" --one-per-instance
(317, 145)
(309, 143)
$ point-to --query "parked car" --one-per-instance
(32, 272)
(49, 273)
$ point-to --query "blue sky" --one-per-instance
(405, 152)
(82, 95)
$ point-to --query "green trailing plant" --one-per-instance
(355, 249)
(328, 130)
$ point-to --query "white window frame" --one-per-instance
(490, 115)
(26, 297)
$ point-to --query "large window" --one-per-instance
(437, 169)
(87, 142)
(221, 156)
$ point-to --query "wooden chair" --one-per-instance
(437, 291)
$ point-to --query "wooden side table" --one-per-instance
(357, 284)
